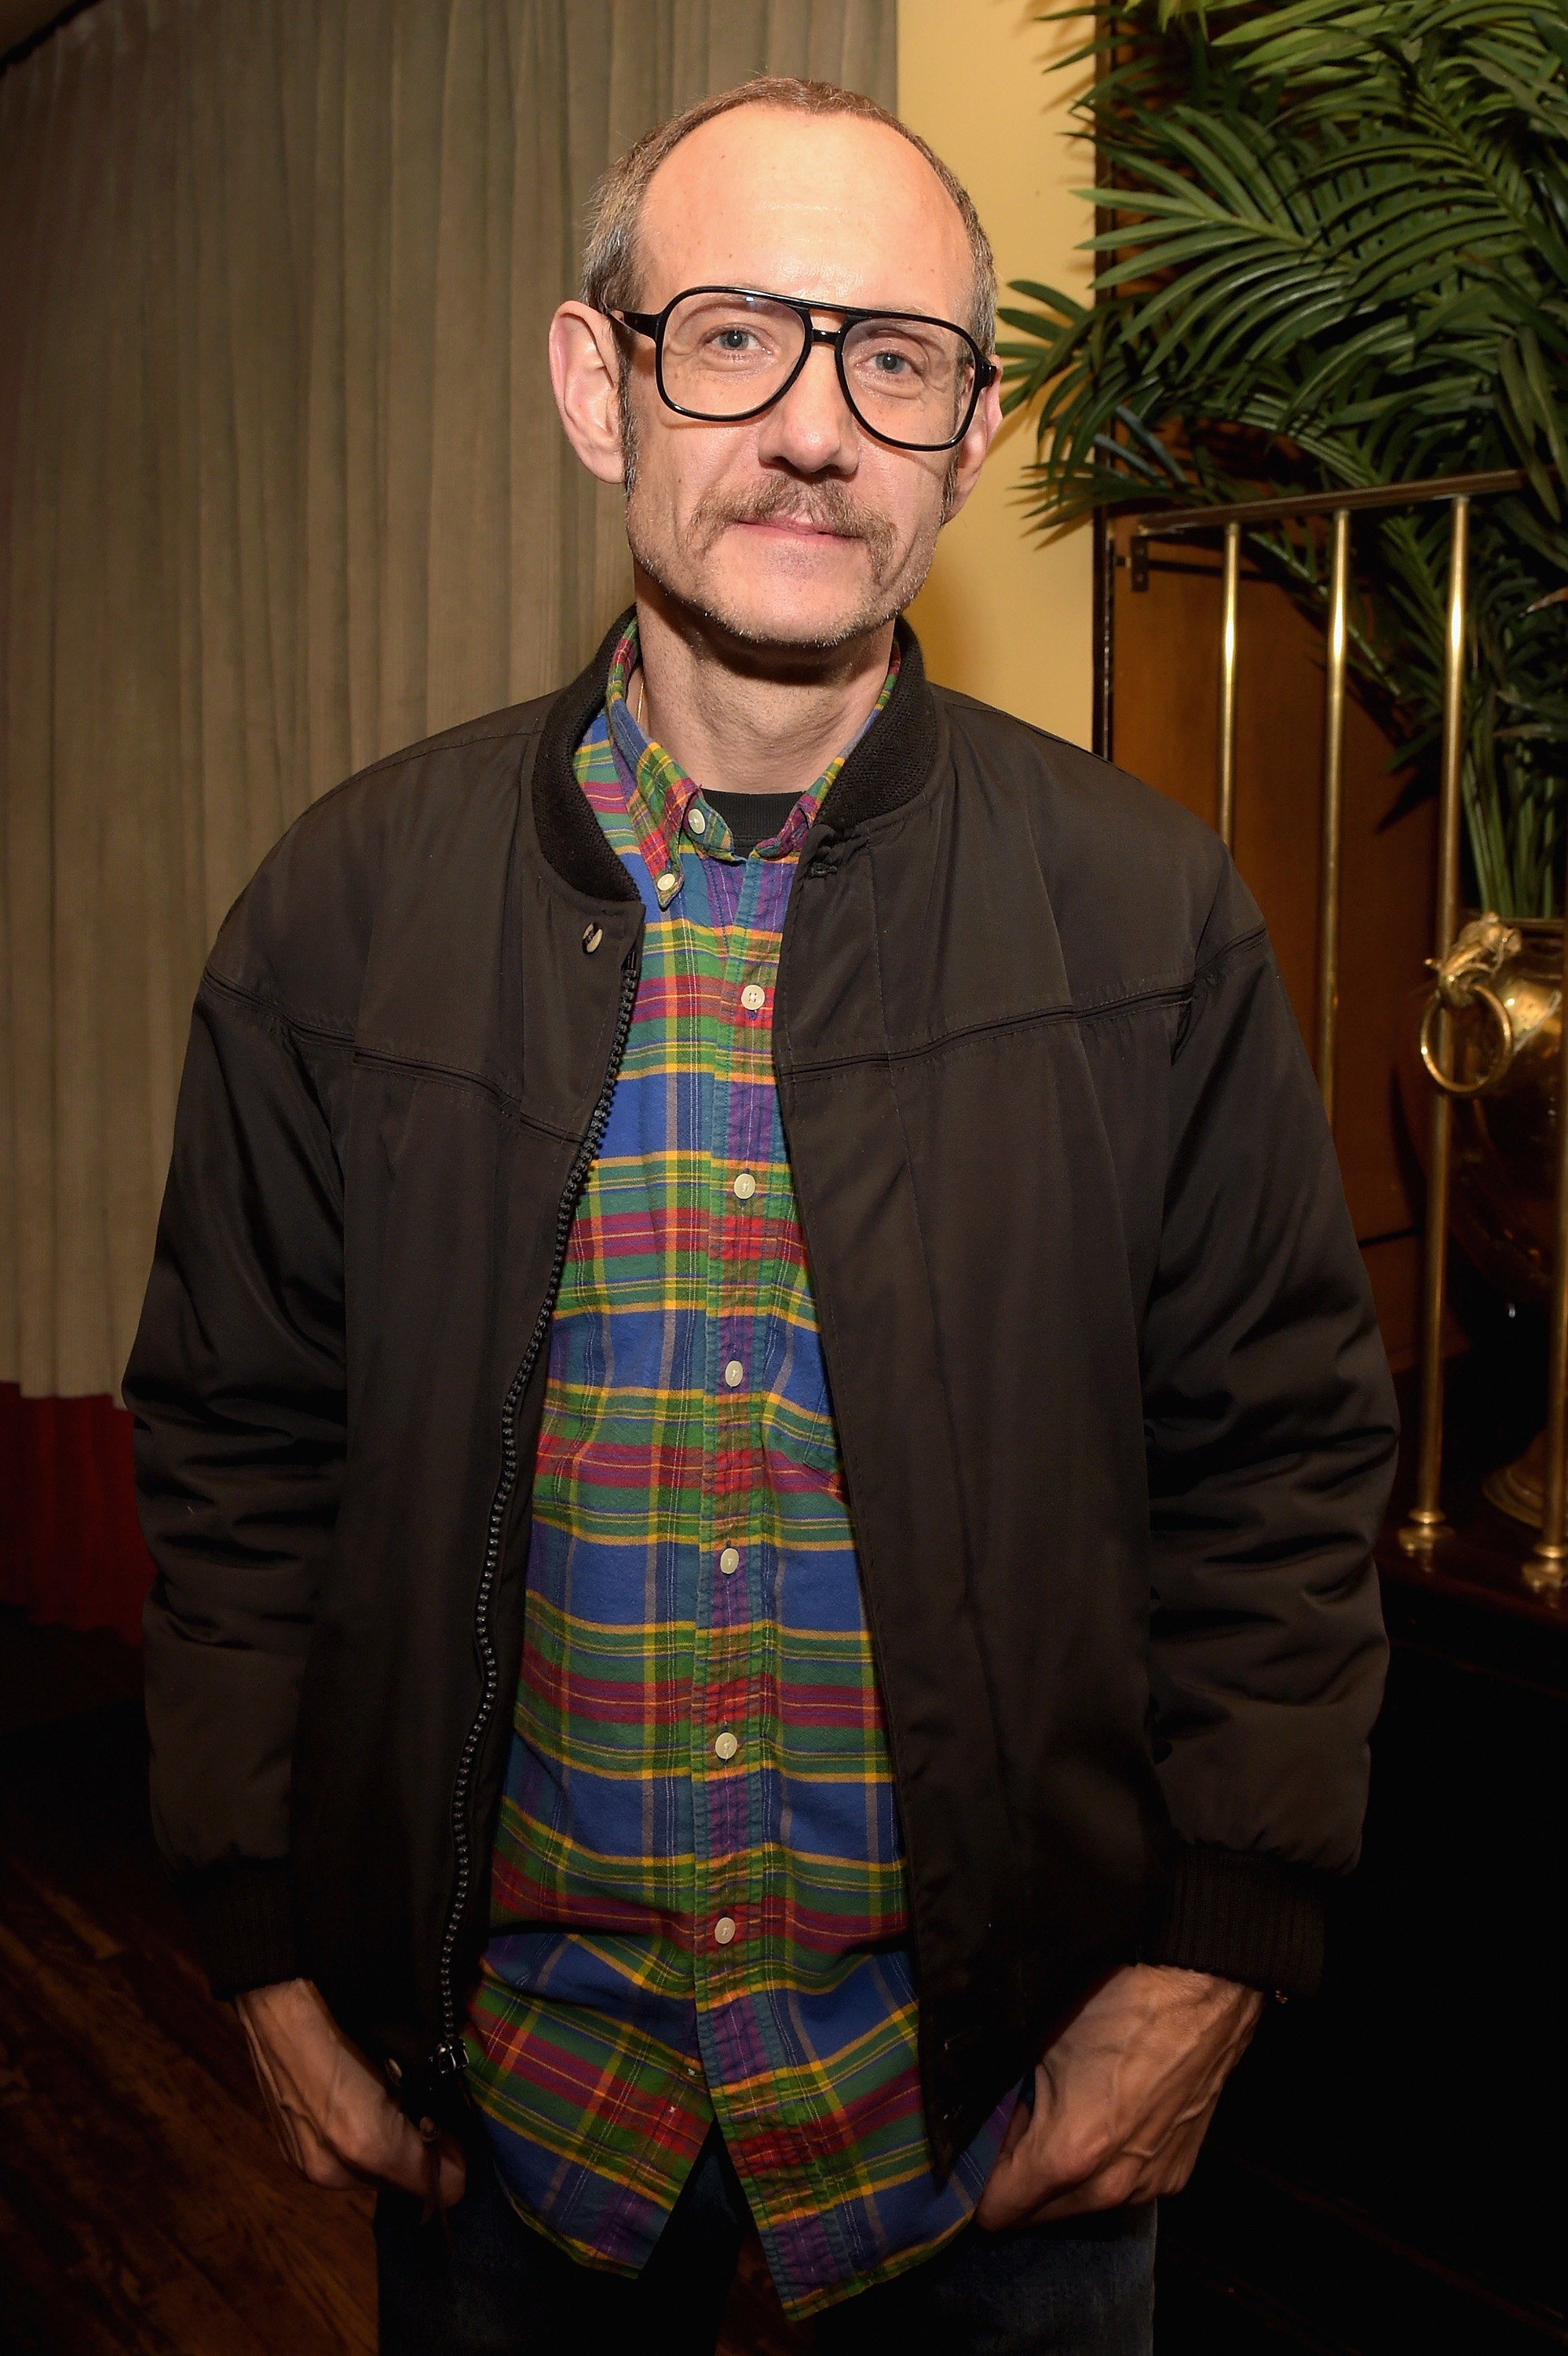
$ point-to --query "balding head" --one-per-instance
(613, 268)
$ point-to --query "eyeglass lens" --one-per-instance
(726, 355)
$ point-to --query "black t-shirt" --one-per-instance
(752, 818)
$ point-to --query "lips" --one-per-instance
(793, 527)
(807, 516)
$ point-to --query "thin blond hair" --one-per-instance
(611, 264)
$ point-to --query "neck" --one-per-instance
(750, 720)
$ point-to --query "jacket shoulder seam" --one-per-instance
(1131, 1003)
(324, 1027)
(1211, 973)
(273, 1015)
(457, 1076)
(1254, 936)
(1137, 996)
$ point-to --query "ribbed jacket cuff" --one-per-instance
(1246, 1918)
(243, 1917)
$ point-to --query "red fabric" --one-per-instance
(70, 1548)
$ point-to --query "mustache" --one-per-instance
(826, 507)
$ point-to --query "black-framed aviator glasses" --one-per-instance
(723, 354)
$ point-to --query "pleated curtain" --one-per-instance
(282, 488)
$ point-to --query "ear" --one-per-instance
(970, 455)
(585, 371)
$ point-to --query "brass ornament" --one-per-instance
(1497, 1010)
(1485, 947)
(1499, 986)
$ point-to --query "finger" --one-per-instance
(1017, 2186)
(1131, 2177)
(397, 2156)
(394, 2153)
(1136, 2173)
(1115, 2188)
(997, 2208)
(1011, 2189)
(306, 2153)
(305, 2148)
(1017, 2127)
(319, 2167)
(453, 2172)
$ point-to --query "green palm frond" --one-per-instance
(1340, 257)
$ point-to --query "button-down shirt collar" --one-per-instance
(660, 797)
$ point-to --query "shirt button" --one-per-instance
(724, 1930)
(734, 1375)
(745, 1185)
(754, 997)
(729, 1561)
(666, 884)
(725, 1745)
(696, 822)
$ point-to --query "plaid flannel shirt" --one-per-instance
(698, 1909)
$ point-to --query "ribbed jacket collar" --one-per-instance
(889, 765)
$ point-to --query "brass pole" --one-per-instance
(1333, 800)
(1549, 1561)
(1225, 819)
(1427, 1521)
(1160, 523)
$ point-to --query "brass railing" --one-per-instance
(1427, 1526)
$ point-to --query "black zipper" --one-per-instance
(450, 2059)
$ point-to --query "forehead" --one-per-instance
(828, 205)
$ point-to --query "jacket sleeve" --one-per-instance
(1271, 1432)
(236, 1382)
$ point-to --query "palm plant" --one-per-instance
(1339, 256)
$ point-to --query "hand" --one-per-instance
(333, 2117)
(1124, 2098)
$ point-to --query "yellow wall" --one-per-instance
(1001, 617)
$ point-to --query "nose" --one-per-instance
(812, 430)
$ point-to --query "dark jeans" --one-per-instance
(1082, 2288)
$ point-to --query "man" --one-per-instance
(757, 1408)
